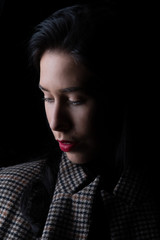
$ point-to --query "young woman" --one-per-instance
(90, 187)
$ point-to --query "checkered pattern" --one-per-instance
(70, 212)
(129, 209)
(13, 180)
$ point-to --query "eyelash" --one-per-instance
(74, 103)
(48, 100)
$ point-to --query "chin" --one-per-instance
(78, 158)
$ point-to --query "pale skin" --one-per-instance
(70, 110)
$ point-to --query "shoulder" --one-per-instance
(26, 167)
(18, 176)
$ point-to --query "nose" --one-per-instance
(58, 118)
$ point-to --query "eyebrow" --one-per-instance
(64, 90)
(42, 88)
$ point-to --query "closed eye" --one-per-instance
(48, 100)
(75, 103)
(72, 102)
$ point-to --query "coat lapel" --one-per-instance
(70, 211)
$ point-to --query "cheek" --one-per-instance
(49, 114)
(84, 121)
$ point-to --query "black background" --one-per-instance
(23, 127)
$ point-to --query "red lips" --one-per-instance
(66, 146)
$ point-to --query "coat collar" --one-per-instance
(133, 186)
(71, 177)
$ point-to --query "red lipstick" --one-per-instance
(66, 146)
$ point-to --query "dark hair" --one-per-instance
(93, 35)
(89, 32)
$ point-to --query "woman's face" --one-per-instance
(70, 109)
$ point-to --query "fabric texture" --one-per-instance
(75, 208)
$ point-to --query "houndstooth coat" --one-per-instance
(128, 213)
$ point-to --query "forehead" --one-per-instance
(59, 70)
